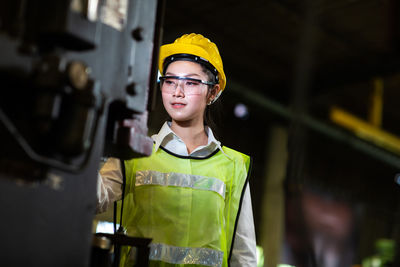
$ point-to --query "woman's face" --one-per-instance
(182, 107)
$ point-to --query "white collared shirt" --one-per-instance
(170, 141)
(110, 181)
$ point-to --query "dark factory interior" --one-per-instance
(294, 65)
(312, 96)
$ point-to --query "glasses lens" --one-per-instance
(168, 84)
(190, 86)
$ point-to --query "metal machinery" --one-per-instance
(76, 79)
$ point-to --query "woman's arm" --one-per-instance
(109, 184)
(244, 246)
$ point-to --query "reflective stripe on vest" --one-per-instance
(186, 255)
(180, 180)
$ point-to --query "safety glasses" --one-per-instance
(190, 86)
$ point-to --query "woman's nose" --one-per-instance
(179, 90)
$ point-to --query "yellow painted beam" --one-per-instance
(366, 130)
(376, 107)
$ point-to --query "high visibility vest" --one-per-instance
(188, 206)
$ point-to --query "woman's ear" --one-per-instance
(212, 93)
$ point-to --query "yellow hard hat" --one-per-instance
(194, 47)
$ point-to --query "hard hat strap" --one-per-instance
(189, 57)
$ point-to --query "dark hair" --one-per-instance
(212, 112)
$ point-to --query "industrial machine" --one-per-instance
(77, 80)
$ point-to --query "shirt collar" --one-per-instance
(166, 136)
(164, 132)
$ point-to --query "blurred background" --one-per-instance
(312, 95)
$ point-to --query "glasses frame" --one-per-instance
(162, 78)
(182, 78)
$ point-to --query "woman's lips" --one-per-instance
(178, 105)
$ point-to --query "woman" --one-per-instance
(188, 195)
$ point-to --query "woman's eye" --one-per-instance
(169, 82)
(190, 83)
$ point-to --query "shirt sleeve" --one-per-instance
(244, 246)
(109, 184)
